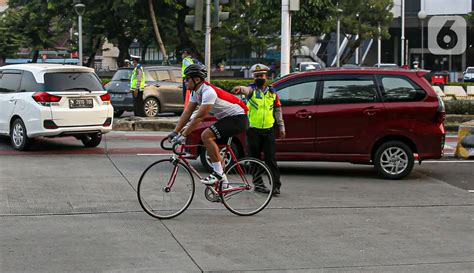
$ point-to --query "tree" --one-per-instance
(157, 31)
(369, 16)
(40, 24)
(10, 41)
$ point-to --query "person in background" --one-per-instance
(137, 85)
(186, 55)
(264, 113)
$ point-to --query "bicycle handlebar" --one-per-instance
(173, 148)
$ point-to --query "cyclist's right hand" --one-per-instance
(172, 136)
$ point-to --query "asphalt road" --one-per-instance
(64, 208)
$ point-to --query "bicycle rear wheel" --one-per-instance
(166, 189)
(251, 187)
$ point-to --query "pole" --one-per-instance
(207, 57)
(357, 52)
(80, 40)
(402, 47)
(422, 45)
(285, 38)
(338, 40)
(379, 49)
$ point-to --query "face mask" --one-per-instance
(259, 82)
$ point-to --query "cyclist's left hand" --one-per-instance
(179, 139)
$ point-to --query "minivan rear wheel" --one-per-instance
(18, 135)
(91, 140)
(394, 160)
(228, 161)
(118, 113)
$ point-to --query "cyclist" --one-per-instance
(231, 114)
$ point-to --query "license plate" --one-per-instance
(80, 103)
(117, 96)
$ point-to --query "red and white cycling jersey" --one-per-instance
(225, 104)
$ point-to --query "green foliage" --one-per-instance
(460, 107)
(9, 41)
(229, 84)
(463, 84)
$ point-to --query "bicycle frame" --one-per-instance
(179, 156)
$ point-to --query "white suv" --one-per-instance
(51, 100)
(468, 75)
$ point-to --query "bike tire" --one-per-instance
(152, 195)
(247, 201)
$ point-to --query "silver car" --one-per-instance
(469, 75)
(163, 90)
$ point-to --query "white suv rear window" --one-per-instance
(72, 81)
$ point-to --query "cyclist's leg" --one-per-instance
(222, 129)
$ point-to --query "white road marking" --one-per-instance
(448, 161)
(471, 191)
(154, 154)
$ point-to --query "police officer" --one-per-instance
(188, 60)
(137, 85)
(264, 113)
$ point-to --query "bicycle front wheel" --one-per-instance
(249, 189)
(166, 189)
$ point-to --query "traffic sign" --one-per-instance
(447, 35)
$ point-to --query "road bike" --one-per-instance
(166, 188)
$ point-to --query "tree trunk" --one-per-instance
(144, 50)
(123, 46)
(2, 61)
(95, 48)
(157, 32)
(35, 56)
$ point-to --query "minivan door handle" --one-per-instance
(371, 111)
(303, 114)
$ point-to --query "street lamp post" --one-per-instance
(422, 16)
(80, 9)
(402, 38)
(338, 38)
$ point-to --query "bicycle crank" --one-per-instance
(211, 195)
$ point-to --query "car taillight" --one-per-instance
(45, 99)
(107, 122)
(105, 97)
(440, 115)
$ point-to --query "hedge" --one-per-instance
(459, 107)
(229, 84)
(463, 84)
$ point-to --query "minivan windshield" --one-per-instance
(72, 81)
(122, 75)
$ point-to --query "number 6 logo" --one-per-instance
(447, 35)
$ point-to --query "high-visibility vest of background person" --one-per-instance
(186, 55)
(137, 85)
(264, 115)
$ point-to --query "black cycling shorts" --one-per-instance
(229, 126)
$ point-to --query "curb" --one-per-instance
(145, 124)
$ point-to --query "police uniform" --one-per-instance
(187, 61)
(137, 82)
(264, 115)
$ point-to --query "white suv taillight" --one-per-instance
(45, 99)
(105, 97)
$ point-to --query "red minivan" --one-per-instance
(385, 117)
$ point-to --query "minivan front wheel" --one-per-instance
(18, 136)
(394, 160)
(91, 140)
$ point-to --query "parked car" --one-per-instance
(386, 65)
(468, 75)
(306, 66)
(388, 118)
(163, 90)
(53, 100)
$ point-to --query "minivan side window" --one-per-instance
(10, 82)
(344, 91)
(163, 75)
(400, 89)
(298, 94)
